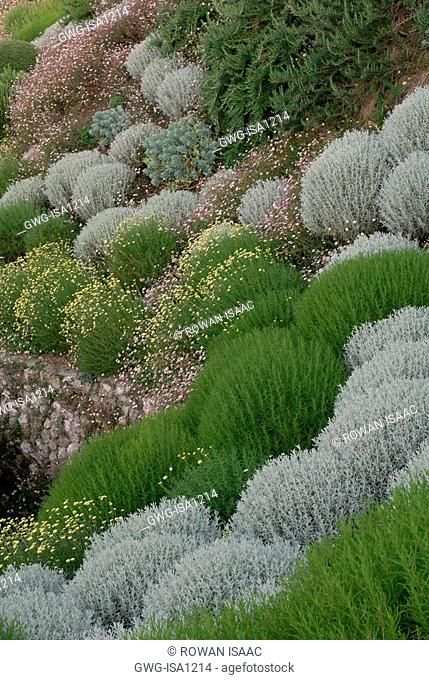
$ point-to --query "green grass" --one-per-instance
(29, 20)
(361, 290)
(371, 582)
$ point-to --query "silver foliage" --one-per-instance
(104, 185)
(403, 202)
(302, 497)
(30, 189)
(172, 207)
(406, 129)
(180, 91)
(154, 74)
(259, 200)
(407, 324)
(99, 231)
(417, 469)
(142, 55)
(339, 188)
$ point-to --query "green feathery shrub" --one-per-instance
(10, 169)
(31, 19)
(8, 76)
(140, 251)
(77, 9)
(17, 54)
(99, 323)
(56, 229)
(126, 465)
(275, 392)
(53, 278)
(361, 290)
(13, 279)
(367, 583)
(12, 220)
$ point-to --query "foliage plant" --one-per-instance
(180, 91)
(336, 303)
(91, 184)
(172, 207)
(77, 9)
(374, 244)
(127, 146)
(12, 219)
(107, 124)
(98, 325)
(100, 229)
(54, 278)
(125, 466)
(369, 582)
(17, 54)
(142, 55)
(61, 177)
(180, 154)
(29, 20)
(140, 251)
(54, 541)
(405, 129)
(30, 189)
(8, 78)
(403, 205)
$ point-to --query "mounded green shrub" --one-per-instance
(362, 290)
(367, 583)
(10, 168)
(274, 393)
(98, 325)
(17, 54)
(126, 466)
(57, 229)
(12, 219)
(140, 251)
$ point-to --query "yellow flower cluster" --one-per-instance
(66, 530)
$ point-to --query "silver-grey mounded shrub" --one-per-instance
(113, 582)
(33, 576)
(105, 185)
(340, 187)
(99, 231)
(417, 469)
(39, 602)
(225, 571)
(127, 144)
(171, 206)
(30, 189)
(407, 359)
(259, 200)
(406, 129)
(403, 202)
(407, 324)
(142, 55)
(198, 522)
(180, 91)
(154, 74)
(62, 175)
(374, 244)
(302, 497)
